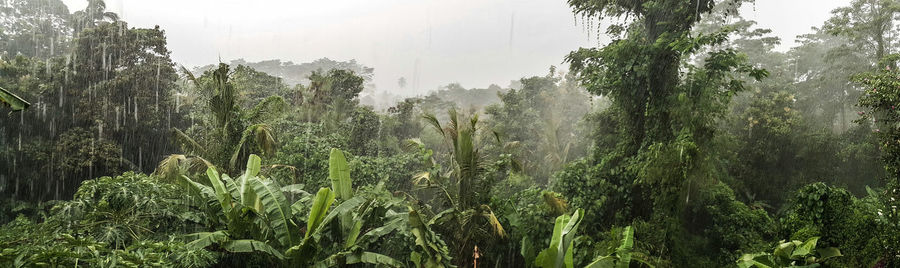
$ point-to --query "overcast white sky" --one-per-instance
(473, 42)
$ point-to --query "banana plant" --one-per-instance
(258, 218)
(249, 206)
(790, 254)
(622, 257)
(431, 251)
(560, 253)
(14, 102)
(351, 211)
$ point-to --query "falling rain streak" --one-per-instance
(653, 133)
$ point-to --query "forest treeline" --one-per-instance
(689, 140)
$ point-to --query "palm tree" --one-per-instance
(231, 133)
(94, 13)
(465, 220)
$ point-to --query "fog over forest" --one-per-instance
(498, 133)
(444, 39)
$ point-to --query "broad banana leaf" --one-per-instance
(222, 194)
(232, 187)
(565, 252)
(353, 234)
(204, 239)
(247, 193)
(250, 246)
(603, 262)
(320, 207)
(317, 219)
(200, 191)
(295, 189)
(624, 250)
(253, 166)
(560, 253)
(276, 210)
(343, 208)
(301, 207)
(430, 250)
(373, 258)
(527, 250)
(339, 173)
(365, 257)
(13, 101)
(374, 234)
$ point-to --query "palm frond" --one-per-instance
(496, 227)
(267, 110)
(412, 145)
(421, 177)
(433, 121)
(190, 77)
(453, 128)
(265, 141)
(188, 143)
(170, 167)
(558, 206)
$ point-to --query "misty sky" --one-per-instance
(429, 42)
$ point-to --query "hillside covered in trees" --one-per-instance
(689, 139)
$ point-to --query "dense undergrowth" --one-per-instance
(687, 141)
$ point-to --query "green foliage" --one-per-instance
(834, 215)
(721, 228)
(461, 190)
(771, 124)
(320, 206)
(882, 89)
(430, 250)
(112, 105)
(230, 133)
(679, 115)
(256, 86)
(540, 121)
(258, 217)
(599, 189)
(339, 173)
(561, 251)
(291, 73)
(128, 220)
(12, 101)
(622, 257)
(35, 28)
(304, 154)
(791, 254)
(116, 210)
(331, 96)
(868, 24)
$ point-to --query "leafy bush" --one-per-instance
(727, 226)
(790, 254)
(834, 215)
(129, 220)
(604, 194)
